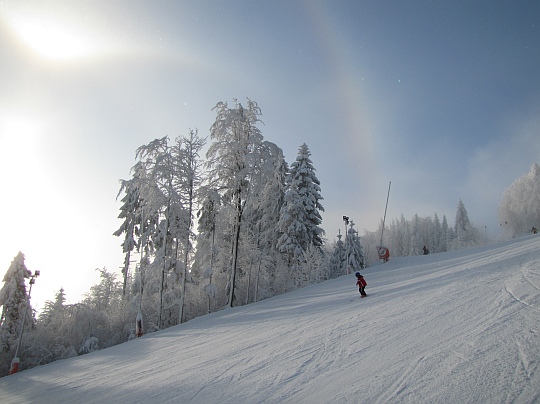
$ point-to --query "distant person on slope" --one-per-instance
(361, 283)
(426, 251)
(534, 231)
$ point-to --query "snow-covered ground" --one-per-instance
(458, 327)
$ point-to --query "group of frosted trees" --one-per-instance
(229, 230)
(519, 213)
(61, 330)
(348, 256)
(408, 237)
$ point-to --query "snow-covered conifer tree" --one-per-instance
(300, 214)
(14, 302)
(53, 308)
(128, 212)
(466, 235)
(292, 226)
(303, 174)
(338, 259)
(354, 249)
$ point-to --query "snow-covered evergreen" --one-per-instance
(447, 235)
(300, 216)
(302, 173)
(14, 301)
(128, 211)
(338, 258)
(355, 251)
(466, 233)
(293, 239)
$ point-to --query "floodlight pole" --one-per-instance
(346, 220)
(15, 362)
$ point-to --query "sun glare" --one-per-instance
(53, 39)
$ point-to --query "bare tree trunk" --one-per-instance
(257, 278)
(235, 251)
(162, 283)
(249, 281)
(125, 271)
(186, 252)
(211, 267)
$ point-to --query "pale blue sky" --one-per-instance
(440, 97)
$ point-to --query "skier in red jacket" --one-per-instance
(361, 283)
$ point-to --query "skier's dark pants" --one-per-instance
(362, 291)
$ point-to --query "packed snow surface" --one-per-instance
(457, 327)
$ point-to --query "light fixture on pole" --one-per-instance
(346, 220)
(15, 362)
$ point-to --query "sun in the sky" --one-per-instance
(51, 36)
(52, 41)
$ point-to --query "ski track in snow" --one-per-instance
(456, 327)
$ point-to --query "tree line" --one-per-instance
(409, 237)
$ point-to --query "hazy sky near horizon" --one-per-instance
(440, 97)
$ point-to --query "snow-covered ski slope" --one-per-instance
(458, 327)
